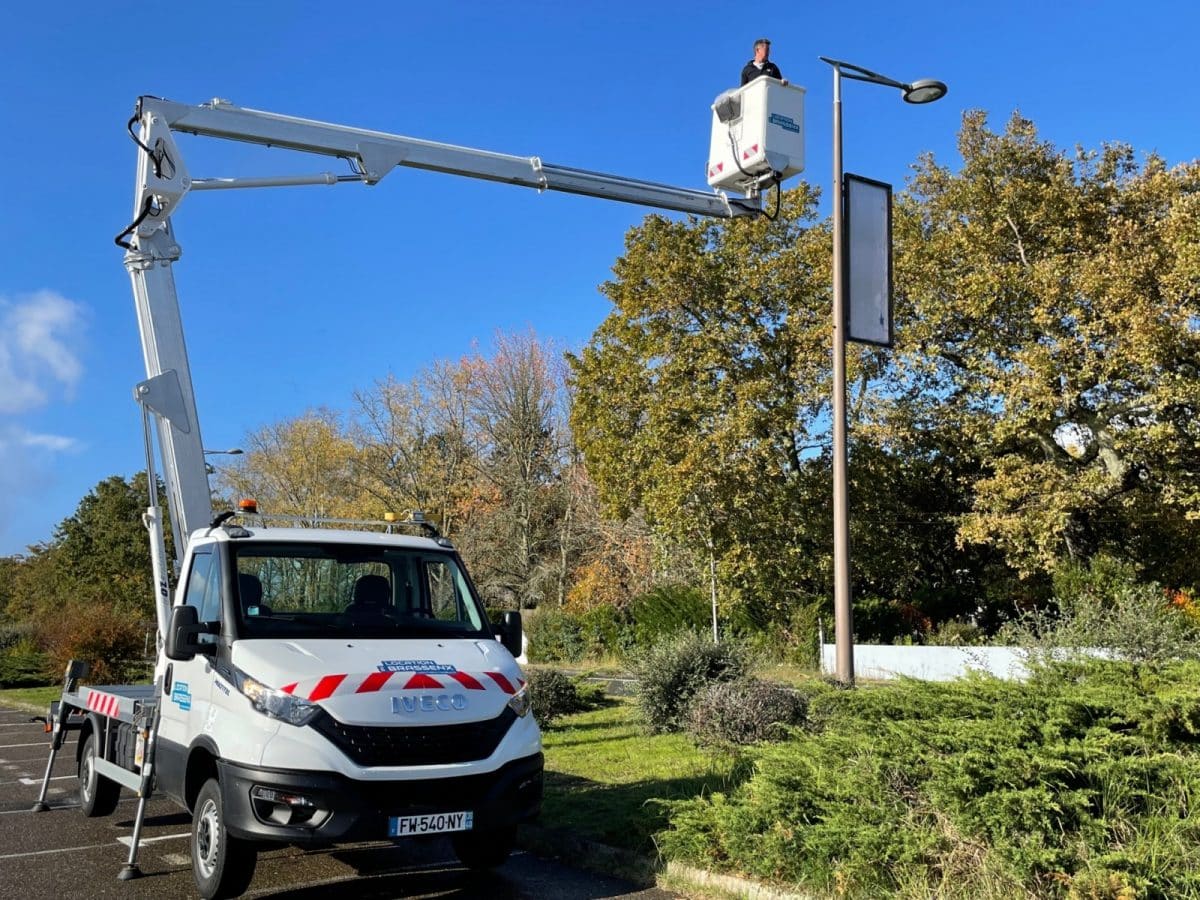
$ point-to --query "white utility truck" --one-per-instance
(320, 684)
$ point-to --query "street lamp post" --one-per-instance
(924, 91)
(232, 451)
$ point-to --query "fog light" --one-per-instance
(284, 807)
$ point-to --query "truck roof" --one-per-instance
(320, 536)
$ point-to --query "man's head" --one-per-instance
(762, 50)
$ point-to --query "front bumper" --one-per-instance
(353, 810)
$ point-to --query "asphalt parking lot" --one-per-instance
(63, 855)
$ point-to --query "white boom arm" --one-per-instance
(162, 183)
(376, 153)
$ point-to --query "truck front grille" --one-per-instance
(415, 745)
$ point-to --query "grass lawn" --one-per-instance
(34, 699)
(603, 772)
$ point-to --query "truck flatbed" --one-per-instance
(123, 702)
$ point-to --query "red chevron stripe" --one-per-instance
(421, 680)
(288, 688)
(467, 681)
(325, 687)
(505, 684)
(373, 682)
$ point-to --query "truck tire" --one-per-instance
(484, 849)
(223, 865)
(98, 795)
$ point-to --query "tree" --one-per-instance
(520, 453)
(1048, 330)
(104, 544)
(413, 449)
(303, 466)
(481, 446)
(703, 399)
(700, 398)
(88, 594)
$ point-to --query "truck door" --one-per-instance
(186, 695)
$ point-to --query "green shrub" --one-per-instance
(879, 620)
(553, 695)
(1106, 606)
(743, 712)
(1079, 783)
(791, 639)
(956, 633)
(673, 670)
(23, 664)
(554, 635)
(109, 638)
(667, 609)
(605, 631)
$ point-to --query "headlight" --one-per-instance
(276, 704)
(519, 702)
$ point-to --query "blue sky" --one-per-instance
(293, 298)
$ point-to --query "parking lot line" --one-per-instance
(38, 780)
(127, 839)
(48, 852)
(34, 744)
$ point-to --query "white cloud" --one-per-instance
(37, 337)
(30, 468)
(56, 443)
(39, 365)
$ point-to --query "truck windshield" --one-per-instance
(348, 591)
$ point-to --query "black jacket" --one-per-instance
(751, 71)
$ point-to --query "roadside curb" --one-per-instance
(679, 876)
(586, 854)
(619, 863)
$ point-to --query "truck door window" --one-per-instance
(447, 589)
(204, 590)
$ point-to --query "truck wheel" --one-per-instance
(223, 865)
(98, 795)
(484, 849)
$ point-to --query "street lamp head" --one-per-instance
(924, 91)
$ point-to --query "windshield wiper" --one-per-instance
(301, 620)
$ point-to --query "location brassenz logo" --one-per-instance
(415, 665)
(428, 703)
(787, 123)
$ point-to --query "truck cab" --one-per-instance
(322, 686)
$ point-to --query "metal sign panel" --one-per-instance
(868, 275)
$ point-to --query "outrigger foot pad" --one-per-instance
(129, 872)
(40, 806)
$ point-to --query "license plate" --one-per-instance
(434, 823)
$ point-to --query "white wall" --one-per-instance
(884, 662)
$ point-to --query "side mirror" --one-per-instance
(183, 635)
(510, 632)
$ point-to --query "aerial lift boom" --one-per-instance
(151, 250)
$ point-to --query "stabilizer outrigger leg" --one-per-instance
(130, 870)
(57, 720)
